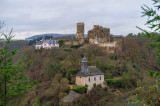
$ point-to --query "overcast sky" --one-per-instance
(31, 17)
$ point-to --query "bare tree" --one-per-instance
(1, 24)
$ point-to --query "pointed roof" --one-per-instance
(84, 59)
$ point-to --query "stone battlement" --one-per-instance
(80, 23)
(99, 35)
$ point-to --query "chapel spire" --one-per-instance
(84, 64)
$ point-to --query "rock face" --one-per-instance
(71, 97)
(99, 34)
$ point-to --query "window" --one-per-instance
(89, 79)
(94, 78)
(100, 78)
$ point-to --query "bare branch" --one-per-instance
(2, 24)
(9, 35)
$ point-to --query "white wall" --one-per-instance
(92, 81)
(82, 81)
(38, 46)
(46, 46)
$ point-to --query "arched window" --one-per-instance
(100, 78)
(89, 79)
(94, 78)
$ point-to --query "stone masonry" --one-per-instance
(99, 33)
(100, 36)
(80, 31)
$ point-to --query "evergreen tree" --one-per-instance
(153, 23)
(13, 80)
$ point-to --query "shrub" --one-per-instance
(72, 71)
(118, 83)
(134, 66)
(109, 82)
(105, 67)
(53, 68)
(80, 89)
(68, 75)
(94, 85)
(113, 56)
(64, 85)
(61, 43)
(67, 50)
(86, 85)
(76, 46)
(108, 76)
(124, 67)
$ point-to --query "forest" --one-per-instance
(55, 69)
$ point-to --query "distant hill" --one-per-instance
(54, 35)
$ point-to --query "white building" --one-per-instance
(47, 44)
(89, 75)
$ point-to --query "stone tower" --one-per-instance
(84, 65)
(80, 31)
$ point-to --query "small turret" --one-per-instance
(84, 64)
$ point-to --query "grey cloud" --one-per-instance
(60, 16)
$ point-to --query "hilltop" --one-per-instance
(54, 35)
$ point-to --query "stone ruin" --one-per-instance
(100, 36)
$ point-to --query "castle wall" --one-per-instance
(119, 43)
(103, 34)
(108, 44)
(68, 43)
(75, 43)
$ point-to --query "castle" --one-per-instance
(100, 36)
(89, 75)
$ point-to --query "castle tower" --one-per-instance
(84, 64)
(80, 31)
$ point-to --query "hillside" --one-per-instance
(55, 70)
(19, 44)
